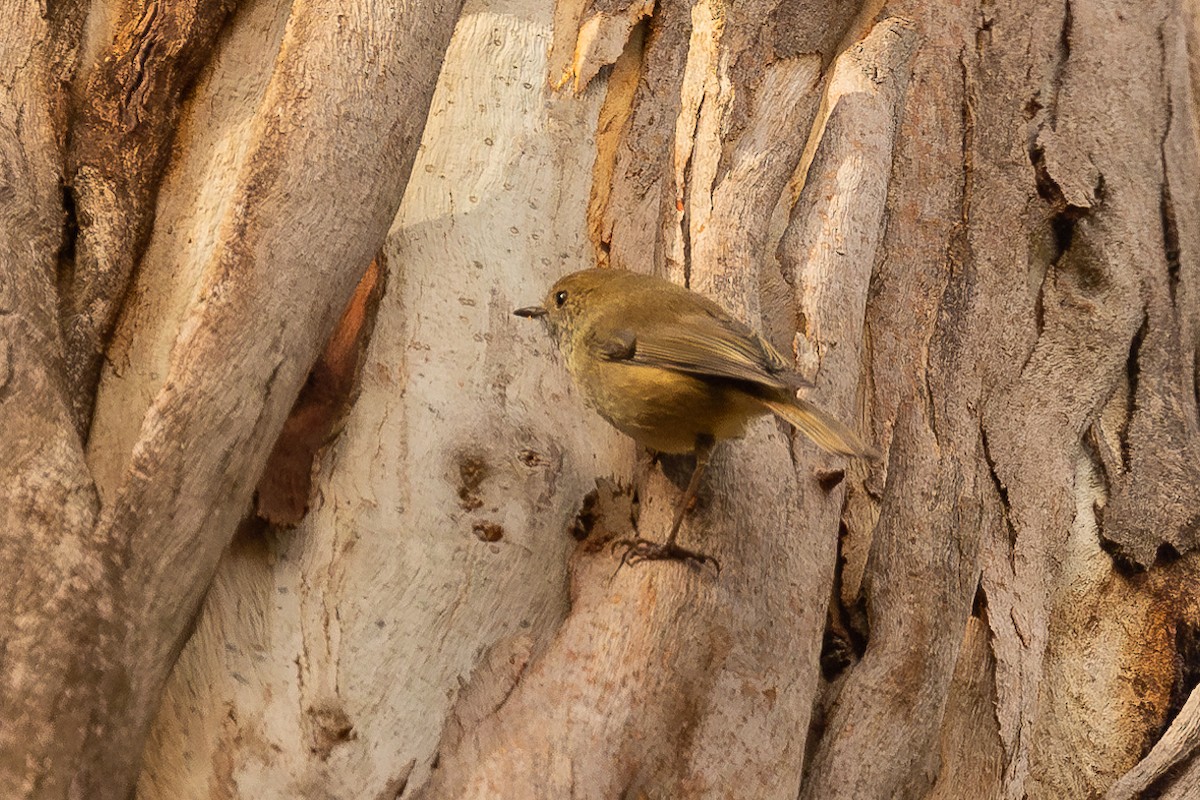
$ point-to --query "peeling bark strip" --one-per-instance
(1154, 511)
(599, 35)
(828, 254)
(120, 140)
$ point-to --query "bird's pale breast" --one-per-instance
(667, 410)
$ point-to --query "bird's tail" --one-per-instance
(825, 431)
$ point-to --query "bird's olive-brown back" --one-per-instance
(663, 364)
(670, 367)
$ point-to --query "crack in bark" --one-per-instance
(5, 377)
(686, 220)
(1133, 372)
(968, 144)
(1001, 491)
(927, 399)
(1060, 64)
(1170, 229)
(1196, 377)
(1170, 237)
(396, 786)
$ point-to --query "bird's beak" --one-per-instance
(531, 312)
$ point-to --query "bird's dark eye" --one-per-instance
(560, 298)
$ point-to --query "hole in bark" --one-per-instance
(979, 603)
(828, 479)
(530, 458)
(331, 726)
(585, 520)
(1047, 189)
(837, 653)
(66, 248)
(843, 642)
(1063, 225)
(1165, 554)
(1064, 220)
(678, 468)
(330, 389)
(1187, 678)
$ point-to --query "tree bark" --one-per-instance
(292, 506)
(121, 591)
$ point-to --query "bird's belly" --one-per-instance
(667, 410)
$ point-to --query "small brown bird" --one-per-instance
(676, 372)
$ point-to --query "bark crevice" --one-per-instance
(120, 137)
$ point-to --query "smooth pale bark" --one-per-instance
(451, 442)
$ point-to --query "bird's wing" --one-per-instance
(703, 344)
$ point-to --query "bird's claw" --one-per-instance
(639, 550)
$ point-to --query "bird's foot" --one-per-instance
(639, 550)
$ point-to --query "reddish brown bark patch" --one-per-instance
(286, 484)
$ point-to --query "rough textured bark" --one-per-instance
(387, 574)
(124, 580)
(661, 680)
(120, 138)
(53, 565)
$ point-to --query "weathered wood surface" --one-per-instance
(976, 226)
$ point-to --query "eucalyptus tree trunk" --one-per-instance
(118, 504)
(292, 506)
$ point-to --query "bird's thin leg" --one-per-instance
(639, 549)
(704, 446)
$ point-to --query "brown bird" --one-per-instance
(676, 372)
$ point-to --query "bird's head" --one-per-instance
(569, 300)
